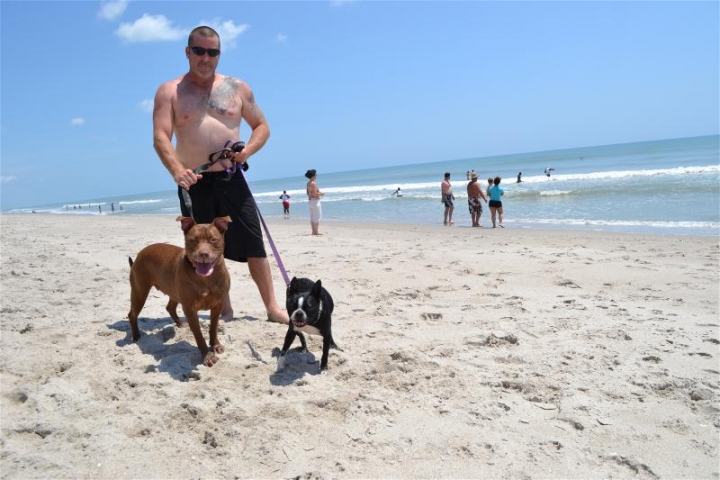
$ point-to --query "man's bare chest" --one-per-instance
(222, 101)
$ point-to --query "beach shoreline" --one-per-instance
(467, 352)
(639, 188)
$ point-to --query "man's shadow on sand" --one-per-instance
(181, 359)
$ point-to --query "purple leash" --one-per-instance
(215, 157)
(270, 240)
(224, 154)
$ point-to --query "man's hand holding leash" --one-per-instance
(186, 178)
(241, 157)
(228, 157)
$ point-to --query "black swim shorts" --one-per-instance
(216, 196)
(495, 203)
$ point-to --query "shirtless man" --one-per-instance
(448, 200)
(203, 109)
(475, 193)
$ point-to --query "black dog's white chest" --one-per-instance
(309, 329)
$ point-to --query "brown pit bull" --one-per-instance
(194, 277)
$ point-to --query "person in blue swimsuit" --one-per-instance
(495, 203)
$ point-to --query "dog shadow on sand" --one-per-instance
(180, 359)
(298, 364)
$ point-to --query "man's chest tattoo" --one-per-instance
(222, 98)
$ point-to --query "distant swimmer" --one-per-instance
(548, 170)
(519, 180)
(397, 193)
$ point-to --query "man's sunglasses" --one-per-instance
(200, 51)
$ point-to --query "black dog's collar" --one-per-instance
(320, 312)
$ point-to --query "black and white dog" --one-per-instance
(310, 308)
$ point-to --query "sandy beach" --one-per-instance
(467, 353)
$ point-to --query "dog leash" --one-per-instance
(280, 265)
(218, 156)
(225, 154)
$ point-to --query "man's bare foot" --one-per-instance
(278, 317)
(227, 313)
(210, 359)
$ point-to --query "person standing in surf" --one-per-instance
(475, 193)
(447, 199)
(496, 208)
(314, 195)
(285, 199)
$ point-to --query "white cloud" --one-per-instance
(112, 10)
(157, 28)
(150, 28)
(227, 30)
(76, 122)
(7, 178)
(146, 105)
(281, 38)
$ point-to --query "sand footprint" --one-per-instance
(566, 283)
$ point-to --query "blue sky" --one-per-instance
(347, 85)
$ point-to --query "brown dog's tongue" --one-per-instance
(204, 269)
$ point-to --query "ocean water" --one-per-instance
(666, 187)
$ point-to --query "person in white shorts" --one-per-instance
(314, 194)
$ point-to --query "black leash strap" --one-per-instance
(218, 156)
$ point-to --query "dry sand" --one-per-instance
(467, 353)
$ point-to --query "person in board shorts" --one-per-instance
(203, 109)
(475, 194)
(447, 199)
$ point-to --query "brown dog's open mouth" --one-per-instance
(204, 269)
